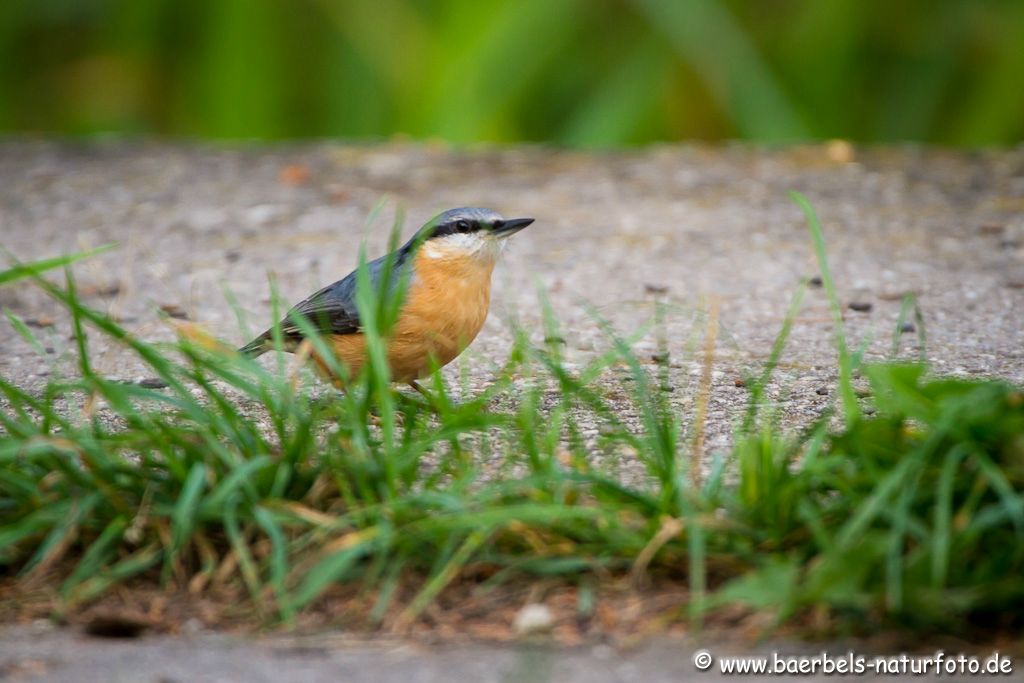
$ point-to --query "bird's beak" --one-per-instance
(509, 227)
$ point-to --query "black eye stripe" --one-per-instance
(459, 226)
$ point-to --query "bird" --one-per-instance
(448, 265)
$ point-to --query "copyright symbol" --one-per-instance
(702, 659)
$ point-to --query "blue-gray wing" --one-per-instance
(332, 310)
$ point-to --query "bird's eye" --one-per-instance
(463, 226)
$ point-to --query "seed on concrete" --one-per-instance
(174, 311)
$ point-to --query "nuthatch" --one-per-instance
(448, 264)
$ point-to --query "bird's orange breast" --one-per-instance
(445, 307)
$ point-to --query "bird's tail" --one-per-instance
(257, 347)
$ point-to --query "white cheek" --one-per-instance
(464, 242)
(462, 245)
(431, 250)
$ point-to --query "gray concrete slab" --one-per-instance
(682, 224)
(63, 656)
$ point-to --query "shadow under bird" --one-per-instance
(448, 264)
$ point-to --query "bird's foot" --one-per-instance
(377, 421)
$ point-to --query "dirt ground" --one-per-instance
(690, 226)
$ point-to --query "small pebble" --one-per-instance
(815, 281)
(821, 391)
(740, 382)
(907, 327)
(861, 306)
(655, 289)
(533, 618)
(152, 383)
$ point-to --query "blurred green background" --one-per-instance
(576, 72)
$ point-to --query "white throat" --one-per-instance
(464, 245)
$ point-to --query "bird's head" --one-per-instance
(468, 232)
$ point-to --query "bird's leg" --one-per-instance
(431, 401)
(419, 387)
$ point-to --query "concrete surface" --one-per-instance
(683, 224)
(62, 656)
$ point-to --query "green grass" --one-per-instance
(910, 513)
(575, 72)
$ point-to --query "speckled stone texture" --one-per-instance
(43, 655)
(682, 224)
